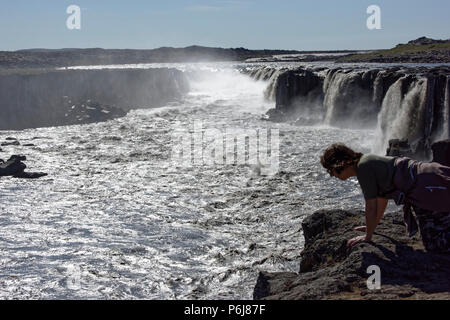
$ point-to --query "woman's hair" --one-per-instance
(337, 157)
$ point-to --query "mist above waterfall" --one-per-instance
(229, 84)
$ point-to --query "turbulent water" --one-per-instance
(116, 219)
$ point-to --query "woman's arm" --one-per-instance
(371, 218)
(374, 212)
(381, 208)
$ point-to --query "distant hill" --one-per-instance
(421, 50)
(32, 58)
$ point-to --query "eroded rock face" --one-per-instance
(293, 84)
(38, 99)
(81, 112)
(330, 270)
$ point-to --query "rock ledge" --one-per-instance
(329, 270)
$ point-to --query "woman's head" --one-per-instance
(337, 158)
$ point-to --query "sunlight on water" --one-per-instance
(116, 220)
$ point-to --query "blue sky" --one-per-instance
(254, 24)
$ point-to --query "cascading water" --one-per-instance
(347, 102)
(402, 114)
(400, 103)
(444, 124)
(334, 90)
(270, 91)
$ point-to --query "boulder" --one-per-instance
(15, 167)
(276, 115)
(12, 166)
(441, 152)
(10, 143)
(402, 148)
(399, 148)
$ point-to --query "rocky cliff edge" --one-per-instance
(330, 270)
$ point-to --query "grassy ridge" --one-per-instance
(438, 52)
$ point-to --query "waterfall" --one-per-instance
(270, 92)
(268, 74)
(446, 133)
(333, 88)
(389, 110)
(348, 99)
(378, 88)
(262, 73)
(402, 115)
(328, 79)
(399, 102)
(445, 123)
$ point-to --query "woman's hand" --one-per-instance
(374, 212)
(355, 240)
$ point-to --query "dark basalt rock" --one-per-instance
(330, 270)
(40, 98)
(11, 143)
(402, 148)
(293, 84)
(399, 148)
(441, 152)
(15, 167)
(276, 115)
(88, 111)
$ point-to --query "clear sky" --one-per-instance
(254, 24)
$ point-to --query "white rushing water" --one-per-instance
(115, 219)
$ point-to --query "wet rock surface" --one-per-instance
(330, 270)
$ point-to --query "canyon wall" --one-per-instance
(399, 102)
(30, 99)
